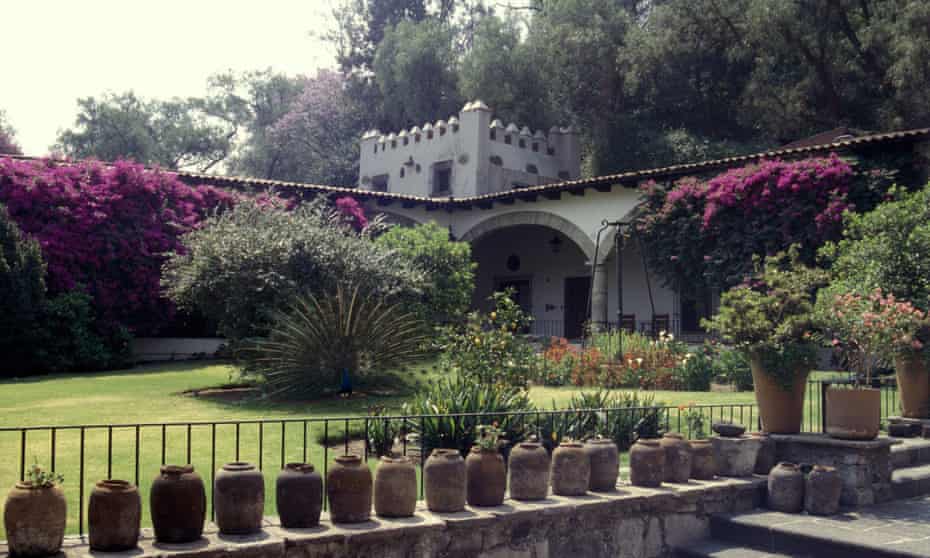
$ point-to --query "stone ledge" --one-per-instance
(824, 440)
(650, 521)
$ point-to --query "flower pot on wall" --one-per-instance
(913, 385)
(486, 477)
(299, 496)
(528, 472)
(781, 410)
(178, 502)
(239, 498)
(571, 470)
(647, 463)
(786, 488)
(677, 458)
(444, 481)
(395, 487)
(34, 518)
(605, 464)
(113, 516)
(348, 486)
(703, 464)
(853, 414)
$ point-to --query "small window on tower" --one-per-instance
(507, 139)
(522, 144)
(493, 134)
(442, 178)
(376, 148)
(379, 183)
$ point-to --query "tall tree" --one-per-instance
(175, 134)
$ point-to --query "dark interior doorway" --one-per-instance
(575, 310)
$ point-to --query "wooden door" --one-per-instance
(575, 309)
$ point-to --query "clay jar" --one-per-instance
(348, 485)
(486, 477)
(822, 489)
(703, 465)
(395, 487)
(178, 504)
(113, 516)
(765, 460)
(34, 518)
(299, 496)
(444, 481)
(647, 463)
(677, 458)
(239, 498)
(570, 470)
(786, 488)
(605, 464)
(528, 472)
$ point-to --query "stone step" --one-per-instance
(803, 536)
(910, 451)
(908, 482)
(719, 549)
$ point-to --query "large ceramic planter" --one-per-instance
(178, 503)
(486, 477)
(299, 496)
(239, 498)
(647, 463)
(571, 470)
(677, 458)
(395, 487)
(822, 490)
(605, 464)
(113, 516)
(444, 481)
(736, 457)
(703, 464)
(348, 486)
(781, 410)
(913, 385)
(528, 472)
(853, 414)
(34, 518)
(786, 488)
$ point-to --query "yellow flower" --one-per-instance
(554, 437)
(477, 340)
(493, 315)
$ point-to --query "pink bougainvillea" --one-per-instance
(106, 228)
(353, 212)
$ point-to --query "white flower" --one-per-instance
(639, 360)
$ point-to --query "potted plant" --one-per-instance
(35, 515)
(485, 473)
(770, 318)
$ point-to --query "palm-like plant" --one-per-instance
(319, 339)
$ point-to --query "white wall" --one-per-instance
(635, 292)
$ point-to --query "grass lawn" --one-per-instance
(154, 394)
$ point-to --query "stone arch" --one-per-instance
(541, 218)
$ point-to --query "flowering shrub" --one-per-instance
(107, 228)
(488, 348)
(712, 229)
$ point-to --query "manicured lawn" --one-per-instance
(153, 394)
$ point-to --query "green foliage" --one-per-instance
(772, 316)
(489, 437)
(694, 419)
(39, 477)
(713, 362)
(696, 371)
(22, 296)
(446, 264)
(456, 394)
(887, 248)
(246, 263)
(382, 431)
(489, 349)
(626, 409)
(320, 338)
(732, 366)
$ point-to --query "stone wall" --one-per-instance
(631, 522)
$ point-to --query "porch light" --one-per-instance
(555, 244)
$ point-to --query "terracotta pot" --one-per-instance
(299, 496)
(486, 477)
(34, 519)
(822, 489)
(647, 463)
(677, 458)
(605, 464)
(780, 409)
(853, 414)
(528, 472)
(349, 485)
(178, 502)
(395, 487)
(239, 498)
(570, 470)
(736, 457)
(913, 385)
(765, 459)
(113, 516)
(444, 481)
(786, 488)
(703, 465)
